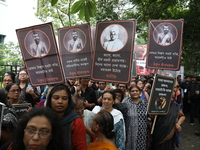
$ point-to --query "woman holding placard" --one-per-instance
(166, 133)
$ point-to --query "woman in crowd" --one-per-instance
(118, 102)
(167, 127)
(136, 120)
(28, 93)
(119, 95)
(9, 120)
(60, 101)
(102, 126)
(38, 129)
(108, 99)
(143, 94)
(9, 77)
(13, 90)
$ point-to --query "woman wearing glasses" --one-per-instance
(9, 77)
(38, 129)
(13, 93)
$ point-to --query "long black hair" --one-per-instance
(68, 116)
(60, 87)
(56, 140)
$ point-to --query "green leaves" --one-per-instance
(86, 8)
(53, 2)
(77, 6)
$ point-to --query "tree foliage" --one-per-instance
(10, 57)
(143, 11)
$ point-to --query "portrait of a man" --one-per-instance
(165, 37)
(38, 48)
(75, 44)
(114, 43)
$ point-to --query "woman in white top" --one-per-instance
(108, 98)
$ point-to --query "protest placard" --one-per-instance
(40, 54)
(21, 108)
(164, 44)
(161, 95)
(76, 50)
(113, 54)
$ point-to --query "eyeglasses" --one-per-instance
(122, 87)
(31, 132)
(22, 74)
(118, 95)
(101, 83)
(7, 80)
(13, 91)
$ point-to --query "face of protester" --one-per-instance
(166, 29)
(23, 75)
(107, 101)
(122, 87)
(102, 85)
(72, 81)
(14, 92)
(85, 81)
(140, 85)
(118, 97)
(36, 38)
(135, 93)
(79, 108)
(37, 134)
(91, 83)
(59, 102)
(7, 80)
(188, 79)
(193, 79)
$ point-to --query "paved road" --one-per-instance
(189, 141)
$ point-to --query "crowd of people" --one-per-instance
(82, 114)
